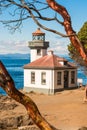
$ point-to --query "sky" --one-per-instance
(18, 42)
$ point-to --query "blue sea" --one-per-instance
(14, 64)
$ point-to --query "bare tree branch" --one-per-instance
(32, 10)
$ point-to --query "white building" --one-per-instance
(47, 73)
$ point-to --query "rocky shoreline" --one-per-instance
(9, 119)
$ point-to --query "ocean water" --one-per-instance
(15, 69)
(14, 65)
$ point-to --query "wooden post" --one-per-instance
(85, 99)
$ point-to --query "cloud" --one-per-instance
(59, 46)
(13, 47)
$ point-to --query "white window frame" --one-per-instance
(32, 77)
(43, 78)
(59, 80)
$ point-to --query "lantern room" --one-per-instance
(38, 35)
(38, 46)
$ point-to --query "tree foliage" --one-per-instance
(82, 35)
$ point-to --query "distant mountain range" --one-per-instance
(26, 56)
(16, 56)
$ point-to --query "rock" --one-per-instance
(33, 127)
(5, 98)
(7, 106)
(15, 122)
(83, 128)
(9, 119)
(6, 103)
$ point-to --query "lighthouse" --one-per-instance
(47, 73)
(38, 46)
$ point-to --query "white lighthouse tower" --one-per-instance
(38, 46)
(47, 73)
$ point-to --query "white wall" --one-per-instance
(34, 55)
(51, 79)
(61, 62)
(27, 79)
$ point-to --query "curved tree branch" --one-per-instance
(68, 27)
(44, 27)
(7, 83)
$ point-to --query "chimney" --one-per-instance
(50, 52)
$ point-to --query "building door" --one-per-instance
(66, 79)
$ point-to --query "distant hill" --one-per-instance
(16, 56)
(27, 56)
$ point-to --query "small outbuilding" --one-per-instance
(47, 73)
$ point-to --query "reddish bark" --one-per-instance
(68, 27)
(7, 83)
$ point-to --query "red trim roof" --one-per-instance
(50, 61)
(38, 32)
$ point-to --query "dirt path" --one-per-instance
(65, 110)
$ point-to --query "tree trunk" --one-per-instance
(68, 27)
(7, 83)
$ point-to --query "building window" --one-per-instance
(38, 37)
(59, 78)
(32, 77)
(38, 51)
(33, 38)
(43, 78)
(72, 77)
